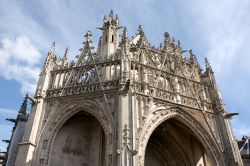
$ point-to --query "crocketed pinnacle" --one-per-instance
(140, 30)
(125, 34)
(22, 114)
(208, 66)
(52, 48)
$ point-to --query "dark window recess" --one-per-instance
(106, 39)
(112, 38)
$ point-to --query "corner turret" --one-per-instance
(110, 35)
(49, 63)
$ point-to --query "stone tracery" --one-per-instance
(131, 88)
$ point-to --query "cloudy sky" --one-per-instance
(216, 29)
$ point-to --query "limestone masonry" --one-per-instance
(127, 103)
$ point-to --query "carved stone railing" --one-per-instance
(84, 89)
(84, 79)
(168, 96)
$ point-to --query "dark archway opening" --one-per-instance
(174, 144)
(80, 142)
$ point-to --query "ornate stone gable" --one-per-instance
(123, 98)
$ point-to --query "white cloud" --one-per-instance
(19, 58)
(21, 50)
(226, 32)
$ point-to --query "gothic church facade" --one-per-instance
(127, 103)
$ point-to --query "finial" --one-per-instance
(116, 19)
(65, 56)
(207, 63)
(140, 30)
(166, 40)
(66, 52)
(52, 48)
(125, 34)
(88, 40)
(208, 66)
(99, 45)
(160, 46)
(178, 43)
(111, 14)
(173, 39)
(51, 57)
(88, 36)
(191, 52)
(166, 36)
(193, 58)
(104, 18)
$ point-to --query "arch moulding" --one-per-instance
(58, 118)
(159, 116)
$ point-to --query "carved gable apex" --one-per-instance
(87, 51)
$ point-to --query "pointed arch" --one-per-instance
(61, 115)
(158, 116)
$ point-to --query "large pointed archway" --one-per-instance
(79, 142)
(174, 144)
(77, 132)
(171, 136)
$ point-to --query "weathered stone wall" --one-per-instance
(16, 139)
(78, 143)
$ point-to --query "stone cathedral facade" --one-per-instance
(126, 103)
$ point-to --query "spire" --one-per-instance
(51, 56)
(22, 114)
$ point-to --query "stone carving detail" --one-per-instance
(130, 87)
(126, 136)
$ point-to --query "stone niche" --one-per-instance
(80, 142)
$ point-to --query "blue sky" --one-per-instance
(216, 29)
